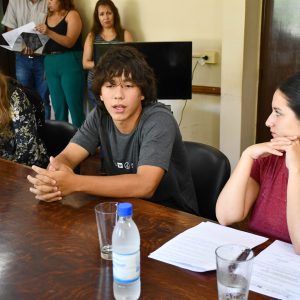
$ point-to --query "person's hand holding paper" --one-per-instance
(25, 39)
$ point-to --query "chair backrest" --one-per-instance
(57, 135)
(210, 171)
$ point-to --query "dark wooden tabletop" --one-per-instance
(51, 250)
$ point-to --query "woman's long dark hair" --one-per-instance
(97, 27)
(291, 90)
(5, 117)
(65, 5)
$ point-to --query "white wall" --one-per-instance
(240, 53)
(220, 25)
(198, 21)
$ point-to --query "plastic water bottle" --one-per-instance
(126, 255)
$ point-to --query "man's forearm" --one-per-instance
(143, 184)
(63, 159)
(127, 186)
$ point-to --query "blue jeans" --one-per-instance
(30, 73)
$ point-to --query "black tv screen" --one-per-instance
(170, 61)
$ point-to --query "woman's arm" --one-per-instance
(74, 29)
(241, 191)
(87, 58)
(293, 192)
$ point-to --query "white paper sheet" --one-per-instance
(194, 249)
(16, 42)
(276, 272)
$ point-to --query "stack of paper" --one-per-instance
(194, 249)
(25, 35)
(276, 272)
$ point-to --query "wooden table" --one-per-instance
(51, 250)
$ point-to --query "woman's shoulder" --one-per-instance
(15, 92)
(73, 14)
(127, 36)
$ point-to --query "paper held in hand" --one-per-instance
(25, 36)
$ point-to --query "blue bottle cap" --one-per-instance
(124, 209)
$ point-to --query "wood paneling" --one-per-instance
(279, 59)
(51, 250)
(210, 90)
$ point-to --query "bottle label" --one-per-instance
(126, 267)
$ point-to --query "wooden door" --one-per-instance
(280, 54)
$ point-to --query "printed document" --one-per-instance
(23, 36)
(194, 249)
(276, 272)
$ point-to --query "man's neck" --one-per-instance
(126, 127)
(33, 1)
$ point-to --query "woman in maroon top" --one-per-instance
(266, 180)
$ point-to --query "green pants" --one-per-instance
(65, 78)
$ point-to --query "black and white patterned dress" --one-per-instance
(25, 146)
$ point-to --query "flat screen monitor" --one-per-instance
(170, 61)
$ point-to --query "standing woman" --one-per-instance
(63, 66)
(106, 28)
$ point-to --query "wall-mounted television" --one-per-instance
(170, 61)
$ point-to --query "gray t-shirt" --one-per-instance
(156, 141)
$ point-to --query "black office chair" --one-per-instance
(210, 171)
(56, 135)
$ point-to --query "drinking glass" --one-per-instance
(106, 217)
(234, 268)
